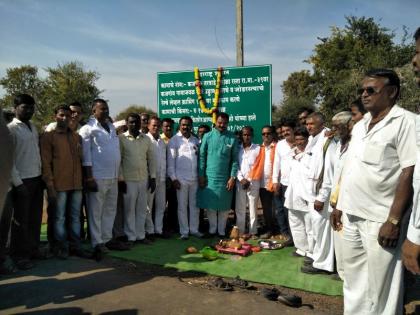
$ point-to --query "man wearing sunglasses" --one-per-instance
(374, 198)
(411, 247)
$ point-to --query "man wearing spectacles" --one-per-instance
(411, 247)
(374, 198)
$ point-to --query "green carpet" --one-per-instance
(276, 267)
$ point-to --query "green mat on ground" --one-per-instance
(276, 267)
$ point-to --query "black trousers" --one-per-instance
(26, 227)
(266, 198)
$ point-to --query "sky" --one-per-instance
(128, 41)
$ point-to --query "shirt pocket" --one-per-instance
(373, 153)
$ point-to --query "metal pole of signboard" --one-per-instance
(239, 34)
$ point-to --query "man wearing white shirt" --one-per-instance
(158, 196)
(411, 247)
(27, 192)
(281, 171)
(101, 163)
(341, 124)
(183, 171)
(247, 190)
(317, 162)
(374, 194)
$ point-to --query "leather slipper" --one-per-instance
(290, 300)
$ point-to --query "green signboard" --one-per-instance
(245, 94)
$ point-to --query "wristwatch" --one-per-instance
(393, 221)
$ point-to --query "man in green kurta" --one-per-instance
(218, 166)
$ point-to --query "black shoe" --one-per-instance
(100, 251)
(24, 264)
(115, 245)
(314, 271)
(308, 261)
(336, 277)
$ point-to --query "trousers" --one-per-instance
(102, 207)
(301, 228)
(373, 282)
(158, 199)
(186, 196)
(217, 221)
(243, 197)
(135, 207)
(26, 227)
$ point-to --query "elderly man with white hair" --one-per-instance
(342, 125)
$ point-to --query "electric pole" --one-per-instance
(239, 35)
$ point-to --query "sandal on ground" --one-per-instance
(270, 294)
(220, 284)
(240, 283)
(290, 300)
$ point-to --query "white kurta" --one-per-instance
(375, 158)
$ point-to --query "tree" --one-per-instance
(340, 60)
(290, 108)
(134, 109)
(23, 79)
(64, 84)
(67, 83)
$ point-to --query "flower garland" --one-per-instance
(213, 110)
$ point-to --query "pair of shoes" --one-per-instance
(197, 234)
(184, 237)
(314, 271)
(115, 245)
(308, 261)
(24, 264)
(144, 241)
(240, 283)
(63, 253)
(265, 235)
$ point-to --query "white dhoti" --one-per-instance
(323, 253)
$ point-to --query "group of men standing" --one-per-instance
(341, 195)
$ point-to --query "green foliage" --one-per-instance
(339, 63)
(410, 92)
(64, 84)
(290, 109)
(134, 109)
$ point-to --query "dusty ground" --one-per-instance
(80, 286)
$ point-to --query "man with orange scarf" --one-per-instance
(263, 171)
